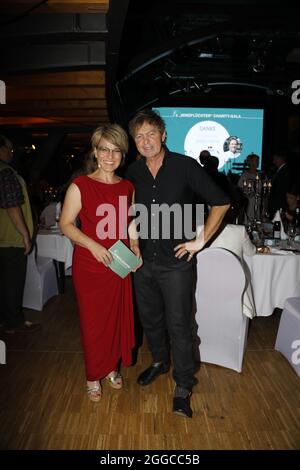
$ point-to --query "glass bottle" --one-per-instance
(277, 230)
(297, 221)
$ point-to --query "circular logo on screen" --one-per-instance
(206, 135)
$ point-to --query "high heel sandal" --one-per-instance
(94, 391)
(115, 380)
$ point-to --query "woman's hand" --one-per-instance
(188, 247)
(136, 250)
(101, 254)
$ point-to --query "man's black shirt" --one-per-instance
(178, 181)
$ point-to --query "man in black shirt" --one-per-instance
(163, 285)
(280, 184)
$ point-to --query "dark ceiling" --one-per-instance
(207, 50)
(73, 64)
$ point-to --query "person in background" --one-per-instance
(252, 162)
(211, 167)
(203, 157)
(104, 299)
(16, 228)
(164, 285)
(238, 200)
(205, 161)
(253, 177)
(293, 203)
(281, 183)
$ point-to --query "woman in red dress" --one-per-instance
(101, 199)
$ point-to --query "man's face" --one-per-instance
(233, 146)
(148, 140)
(7, 152)
(292, 200)
(277, 161)
(253, 163)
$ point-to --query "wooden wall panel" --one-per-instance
(55, 6)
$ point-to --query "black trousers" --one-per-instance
(164, 300)
(12, 280)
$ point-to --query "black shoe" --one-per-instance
(182, 407)
(150, 374)
(27, 327)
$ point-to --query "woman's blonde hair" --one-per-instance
(115, 134)
(90, 162)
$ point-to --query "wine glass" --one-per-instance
(291, 233)
(57, 213)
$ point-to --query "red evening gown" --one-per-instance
(104, 299)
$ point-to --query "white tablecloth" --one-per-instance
(274, 278)
(51, 244)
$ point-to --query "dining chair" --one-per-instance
(40, 283)
(222, 326)
(288, 335)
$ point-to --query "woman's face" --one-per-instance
(108, 155)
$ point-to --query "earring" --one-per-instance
(99, 166)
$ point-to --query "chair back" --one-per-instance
(288, 335)
(40, 283)
(222, 327)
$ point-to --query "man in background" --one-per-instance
(204, 156)
(16, 229)
(281, 183)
